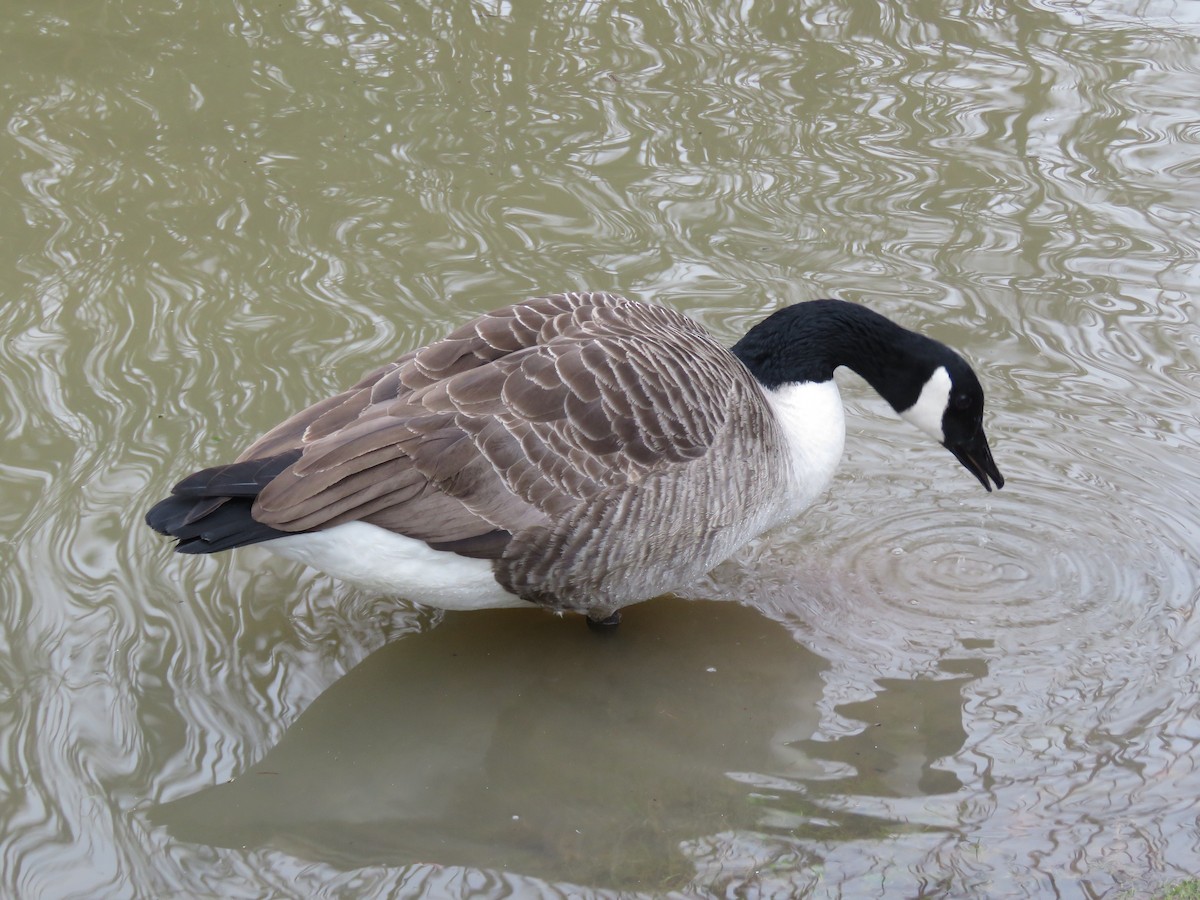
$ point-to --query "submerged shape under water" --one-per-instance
(538, 747)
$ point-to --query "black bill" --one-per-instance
(976, 457)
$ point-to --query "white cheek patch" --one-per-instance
(927, 412)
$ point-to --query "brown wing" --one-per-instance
(509, 423)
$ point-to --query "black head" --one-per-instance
(949, 406)
(925, 381)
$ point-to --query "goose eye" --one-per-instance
(960, 402)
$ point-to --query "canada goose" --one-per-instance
(578, 451)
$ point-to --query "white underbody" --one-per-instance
(381, 560)
(812, 420)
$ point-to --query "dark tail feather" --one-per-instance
(209, 511)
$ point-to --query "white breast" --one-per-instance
(813, 422)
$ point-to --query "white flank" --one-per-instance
(383, 561)
(813, 422)
(927, 412)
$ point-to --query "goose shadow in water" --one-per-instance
(511, 740)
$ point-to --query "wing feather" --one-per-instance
(510, 423)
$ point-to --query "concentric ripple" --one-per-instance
(1080, 553)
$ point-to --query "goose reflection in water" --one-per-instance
(503, 740)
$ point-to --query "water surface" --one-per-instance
(217, 214)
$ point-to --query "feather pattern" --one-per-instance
(560, 437)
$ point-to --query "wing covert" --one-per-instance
(509, 421)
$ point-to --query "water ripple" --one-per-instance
(219, 215)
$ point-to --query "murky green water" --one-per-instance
(218, 213)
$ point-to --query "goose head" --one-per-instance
(949, 408)
(925, 382)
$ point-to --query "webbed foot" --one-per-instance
(607, 625)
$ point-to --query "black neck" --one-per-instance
(808, 341)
